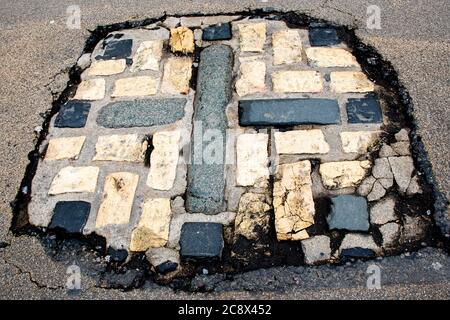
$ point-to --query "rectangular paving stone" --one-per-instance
(201, 240)
(92, 89)
(73, 114)
(364, 110)
(107, 67)
(292, 200)
(301, 142)
(288, 112)
(349, 212)
(252, 159)
(127, 147)
(330, 57)
(220, 31)
(71, 216)
(135, 86)
(358, 141)
(116, 49)
(141, 113)
(152, 230)
(287, 47)
(177, 74)
(164, 160)
(64, 148)
(205, 193)
(252, 36)
(252, 76)
(297, 81)
(323, 37)
(118, 197)
(350, 81)
(74, 179)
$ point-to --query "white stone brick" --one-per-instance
(297, 81)
(343, 174)
(107, 67)
(252, 158)
(330, 57)
(135, 86)
(252, 76)
(64, 148)
(358, 141)
(287, 47)
(92, 89)
(128, 147)
(350, 81)
(252, 36)
(148, 56)
(177, 74)
(301, 142)
(74, 179)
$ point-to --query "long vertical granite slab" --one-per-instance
(206, 182)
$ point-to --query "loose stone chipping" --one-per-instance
(303, 107)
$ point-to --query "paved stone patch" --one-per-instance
(323, 37)
(301, 142)
(135, 87)
(118, 197)
(164, 160)
(293, 201)
(343, 174)
(70, 216)
(177, 74)
(201, 240)
(364, 110)
(193, 132)
(297, 81)
(73, 114)
(141, 113)
(287, 47)
(128, 147)
(349, 212)
(288, 112)
(64, 148)
(92, 89)
(220, 31)
(74, 179)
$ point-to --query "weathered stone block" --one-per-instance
(135, 86)
(350, 81)
(349, 212)
(201, 240)
(74, 179)
(364, 110)
(71, 216)
(73, 114)
(148, 56)
(323, 37)
(330, 57)
(252, 159)
(287, 47)
(252, 36)
(64, 148)
(343, 174)
(301, 142)
(297, 81)
(128, 147)
(177, 74)
(217, 32)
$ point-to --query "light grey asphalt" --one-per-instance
(37, 49)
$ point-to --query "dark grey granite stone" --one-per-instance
(166, 267)
(205, 180)
(201, 240)
(217, 32)
(117, 255)
(357, 253)
(364, 110)
(70, 216)
(288, 112)
(73, 114)
(116, 49)
(319, 37)
(141, 113)
(349, 212)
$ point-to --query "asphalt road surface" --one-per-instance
(37, 49)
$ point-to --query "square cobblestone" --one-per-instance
(364, 110)
(320, 37)
(117, 49)
(73, 114)
(217, 32)
(70, 216)
(201, 240)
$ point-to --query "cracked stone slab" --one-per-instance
(148, 56)
(358, 141)
(343, 174)
(402, 168)
(383, 211)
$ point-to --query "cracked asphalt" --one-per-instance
(37, 51)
